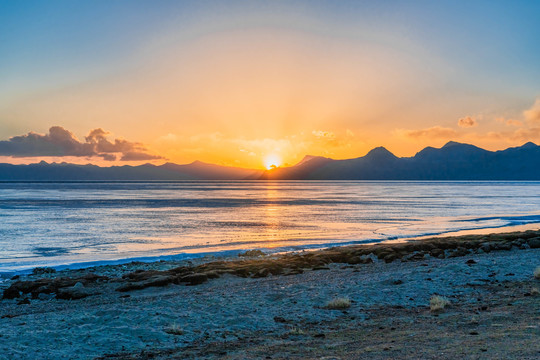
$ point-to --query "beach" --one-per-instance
(280, 306)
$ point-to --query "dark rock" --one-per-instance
(73, 293)
(194, 279)
(391, 257)
(279, 319)
(261, 273)
(24, 301)
(438, 253)
(486, 247)
(470, 262)
(11, 293)
(321, 268)
(43, 270)
(534, 243)
(212, 274)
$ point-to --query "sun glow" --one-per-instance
(272, 161)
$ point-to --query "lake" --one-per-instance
(57, 223)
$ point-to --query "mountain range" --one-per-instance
(453, 161)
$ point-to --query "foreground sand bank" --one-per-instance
(248, 308)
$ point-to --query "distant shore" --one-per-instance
(282, 305)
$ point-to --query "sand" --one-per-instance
(494, 311)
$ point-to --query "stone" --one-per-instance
(534, 243)
(194, 279)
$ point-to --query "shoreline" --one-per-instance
(233, 253)
(276, 305)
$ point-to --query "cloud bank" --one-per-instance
(61, 142)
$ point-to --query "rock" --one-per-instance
(470, 262)
(11, 293)
(390, 257)
(261, 273)
(252, 253)
(24, 301)
(534, 243)
(194, 279)
(44, 296)
(438, 253)
(43, 270)
(73, 293)
(486, 247)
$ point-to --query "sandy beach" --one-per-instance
(280, 307)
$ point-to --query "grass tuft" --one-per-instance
(174, 330)
(338, 304)
(437, 303)
(296, 331)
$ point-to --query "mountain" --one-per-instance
(71, 172)
(453, 161)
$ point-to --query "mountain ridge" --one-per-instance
(453, 161)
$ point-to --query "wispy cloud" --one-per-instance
(435, 132)
(533, 114)
(60, 142)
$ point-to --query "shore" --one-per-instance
(280, 307)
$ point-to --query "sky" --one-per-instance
(249, 83)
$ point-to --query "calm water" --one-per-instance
(65, 223)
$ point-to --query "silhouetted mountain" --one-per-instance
(454, 161)
(201, 170)
(300, 171)
(68, 172)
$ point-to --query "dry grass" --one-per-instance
(437, 303)
(296, 331)
(537, 273)
(338, 304)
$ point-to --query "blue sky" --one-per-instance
(266, 72)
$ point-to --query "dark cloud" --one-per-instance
(61, 142)
(467, 121)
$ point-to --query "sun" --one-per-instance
(272, 161)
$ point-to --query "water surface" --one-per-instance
(49, 224)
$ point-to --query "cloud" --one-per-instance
(435, 132)
(323, 134)
(467, 121)
(60, 142)
(330, 139)
(512, 122)
(533, 114)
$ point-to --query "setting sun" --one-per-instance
(272, 161)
